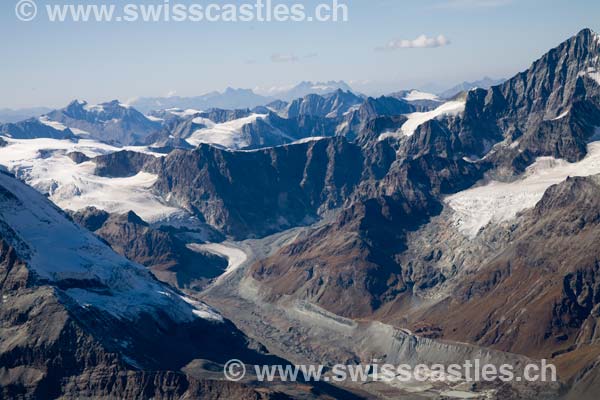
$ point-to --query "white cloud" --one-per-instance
(273, 90)
(422, 41)
(284, 58)
(291, 58)
(131, 100)
(171, 93)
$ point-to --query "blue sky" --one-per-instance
(49, 64)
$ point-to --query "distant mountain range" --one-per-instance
(237, 98)
(231, 98)
(305, 88)
(484, 83)
(9, 115)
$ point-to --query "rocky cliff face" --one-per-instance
(387, 245)
(548, 110)
(529, 286)
(356, 121)
(121, 164)
(264, 191)
(331, 105)
(349, 267)
(160, 249)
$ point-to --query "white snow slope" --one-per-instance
(58, 249)
(227, 134)
(416, 95)
(419, 118)
(498, 201)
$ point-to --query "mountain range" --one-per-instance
(140, 252)
(484, 83)
(237, 98)
(9, 115)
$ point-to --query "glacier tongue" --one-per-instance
(500, 201)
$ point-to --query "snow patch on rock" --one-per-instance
(419, 118)
(52, 124)
(228, 134)
(310, 139)
(416, 95)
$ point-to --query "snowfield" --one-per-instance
(561, 116)
(595, 76)
(44, 164)
(153, 118)
(52, 124)
(416, 95)
(183, 113)
(309, 139)
(228, 134)
(58, 249)
(499, 201)
(60, 127)
(419, 118)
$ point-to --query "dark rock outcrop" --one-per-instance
(121, 164)
(256, 193)
(332, 105)
(78, 157)
(159, 249)
(32, 129)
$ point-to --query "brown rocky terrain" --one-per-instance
(548, 270)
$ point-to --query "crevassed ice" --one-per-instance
(499, 201)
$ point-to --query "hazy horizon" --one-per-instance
(381, 49)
